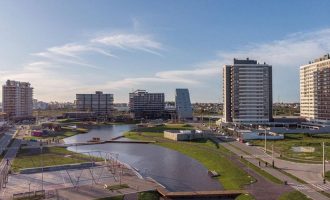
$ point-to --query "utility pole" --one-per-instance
(265, 141)
(273, 163)
(323, 163)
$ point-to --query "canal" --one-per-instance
(177, 172)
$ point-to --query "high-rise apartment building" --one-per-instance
(247, 92)
(17, 99)
(146, 105)
(182, 104)
(315, 90)
(99, 103)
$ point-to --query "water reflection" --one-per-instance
(172, 169)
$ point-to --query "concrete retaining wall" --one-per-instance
(56, 168)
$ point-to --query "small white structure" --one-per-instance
(181, 135)
(249, 135)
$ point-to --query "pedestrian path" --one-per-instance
(250, 155)
(311, 187)
(302, 187)
(322, 187)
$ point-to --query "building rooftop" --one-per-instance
(324, 57)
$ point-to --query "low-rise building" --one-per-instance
(182, 135)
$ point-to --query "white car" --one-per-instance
(248, 144)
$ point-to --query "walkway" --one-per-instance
(257, 153)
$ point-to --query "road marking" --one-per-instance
(301, 187)
(322, 187)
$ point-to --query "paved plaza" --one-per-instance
(71, 183)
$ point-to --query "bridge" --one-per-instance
(195, 194)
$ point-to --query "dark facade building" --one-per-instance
(98, 103)
(144, 105)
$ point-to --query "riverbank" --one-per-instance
(205, 151)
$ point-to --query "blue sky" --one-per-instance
(68, 47)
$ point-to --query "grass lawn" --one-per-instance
(245, 197)
(58, 135)
(295, 140)
(30, 158)
(204, 151)
(120, 197)
(295, 195)
(162, 128)
(117, 187)
(327, 175)
(262, 172)
(152, 195)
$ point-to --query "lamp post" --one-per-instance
(273, 163)
(265, 141)
(323, 161)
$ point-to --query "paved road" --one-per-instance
(310, 173)
(4, 141)
(308, 190)
(9, 156)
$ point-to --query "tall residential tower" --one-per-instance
(315, 90)
(17, 100)
(247, 92)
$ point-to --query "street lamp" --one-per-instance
(265, 141)
(323, 161)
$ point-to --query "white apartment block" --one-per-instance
(17, 99)
(247, 92)
(315, 90)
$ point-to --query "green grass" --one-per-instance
(327, 175)
(295, 140)
(152, 195)
(245, 197)
(58, 135)
(162, 128)
(295, 195)
(117, 187)
(262, 172)
(207, 153)
(120, 197)
(31, 158)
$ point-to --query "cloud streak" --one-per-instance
(130, 41)
(286, 55)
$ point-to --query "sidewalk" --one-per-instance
(310, 192)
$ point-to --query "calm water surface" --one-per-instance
(103, 132)
(172, 169)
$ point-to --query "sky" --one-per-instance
(67, 47)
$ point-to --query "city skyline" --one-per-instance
(118, 47)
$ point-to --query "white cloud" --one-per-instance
(289, 53)
(47, 77)
(73, 50)
(295, 50)
(130, 41)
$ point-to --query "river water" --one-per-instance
(170, 168)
